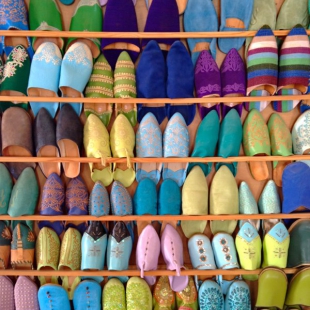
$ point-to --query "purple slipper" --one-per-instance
(233, 77)
(163, 16)
(207, 82)
(120, 16)
(26, 294)
(6, 293)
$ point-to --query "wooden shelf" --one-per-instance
(162, 218)
(182, 101)
(139, 35)
(135, 273)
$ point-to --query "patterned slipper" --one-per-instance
(163, 295)
(187, 299)
(5, 245)
(113, 296)
(26, 294)
(125, 87)
(262, 65)
(99, 202)
(100, 85)
(294, 66)
(138, 295)
(207, 82)
(7, 293)
(211, 296)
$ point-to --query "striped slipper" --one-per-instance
(100, 85)
(262, 65)
(294, 68)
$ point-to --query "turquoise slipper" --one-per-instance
(238, 296)
(53, 294)
(6, 185)
(210, 296)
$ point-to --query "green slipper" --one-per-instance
(125, 86)
(100, 85)
(45, 15)
(188, 298)
(113, 296)
(138, 295)
(87, 17)
(6, 185)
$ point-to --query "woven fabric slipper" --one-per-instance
(200, 16)
(294, 67)
(120, 16)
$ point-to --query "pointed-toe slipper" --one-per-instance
(181, 5)
(152, 80)
(69, 137)
(294, 66)
(256, 141)
(26, 294)
(200, 16)
(149, 144)
(235, 16)
(75, 72)
(120, 16)
(97, 145)
(207, 82)
(100, 85)
(6, 186)
(99, 202)
(87, 295)
(44, 131)
(262, 68)
(5, 245)
(125, 87)
(180, 81)
(176, 144)
(44, 77)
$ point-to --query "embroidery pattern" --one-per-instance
(77, 196)
(86, 3)
(234, 88)
(6, 234)
(226, 249)
(99, 202)
(138, 296)
(210, 88)
(99, 90)
(302, 139)
(204, 63)
(163, 293)
(45, 26)
(239, 299)
(211, 299)
(189, 294)
(120, 200)
(14, 11)
(48, 54)
(233, 62)
(79, 55)
(280, 135)
(124, 64)
(114, 297)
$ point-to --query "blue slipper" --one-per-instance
(180, 81)
(200, 16)
(52, 294)
(67, 2)
(99, 202)
(44, 77)
(238, 296)
(151, 75)
(210, 296)
(87, 295)
(169, 198)
(149, 143)
(235, 16)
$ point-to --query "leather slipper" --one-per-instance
(6, 185)
(5, 245)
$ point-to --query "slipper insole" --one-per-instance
(49, 168)
(14, 41)
(278, 171)
(259, 170)
(122, 46)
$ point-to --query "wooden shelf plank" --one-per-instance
(139, 35)
(112, 218)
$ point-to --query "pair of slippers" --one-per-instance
(268, 76)
(49, 73)
(160, 78)
(201, 16)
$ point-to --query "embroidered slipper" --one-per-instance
(163, 16)
(180, 81)
(22, 247)
(53, 294)
(181, 5)
(44, 77)
(151, 80)
(230, 138)
(52, 202)
(113, 295)
(200, 16)
(87, 17)
(97, 145)
(5, 245)
(6, 186)
(163, 295)
(7, 293)
(272, 286)
(26, 294)
(281, 145)
(75, 72)
(69, 137)
(264, 13)
(120, 16)
(138, 295)
(176, 144)
(100, 85)
(148, 145)
(206, 141)
(45, 15)
(207, 82)
(14, 17)
(125, 87)
(262, 68)
(256, 141)
(70, 259)
(294, 66)
(247, 205)
(238, 296)
(47, 254)
(45, 141)
(15, 77)
(224, 200)
(194, 201)
(210, 295)
(99, 202)
(235, 16)
(87, 296)
(300, 142)
(188, 298)
(122, 140)
(233, 78)
(16, 134)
